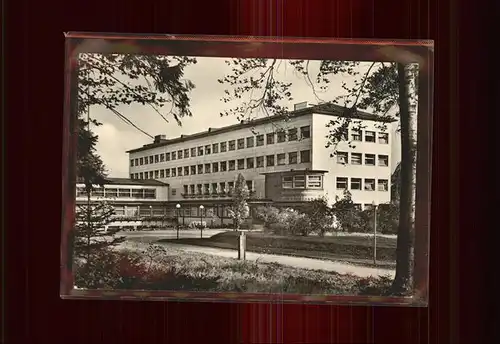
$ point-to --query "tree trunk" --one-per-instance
(403, 280)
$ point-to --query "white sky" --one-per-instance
(116, 137)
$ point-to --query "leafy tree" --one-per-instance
(239, 210)
(320, 216)
(382, 88)
(268, 214)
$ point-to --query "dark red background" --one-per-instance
(34, 62)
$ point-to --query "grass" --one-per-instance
(158, 268)
(355, 249)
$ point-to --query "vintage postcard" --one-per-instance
(246, 169)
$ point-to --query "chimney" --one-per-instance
(300, 106)
(209, 129)
(160, 138)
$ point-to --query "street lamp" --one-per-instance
(178, 206)
(151, 216)
(374, 233)
(201, 222)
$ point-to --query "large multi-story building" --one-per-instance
(285, 161)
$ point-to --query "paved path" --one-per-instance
(297, 262)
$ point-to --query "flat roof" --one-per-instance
(128, 181)
(323, 109)
(293, 171)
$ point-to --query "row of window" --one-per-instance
(357, 159)
(212, 188)
(118, 193)
(302, 181)
(187, 211)
(369, 136)
(357, 184)
(231, 145)
(231, 165)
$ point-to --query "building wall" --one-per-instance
(321, 160)
(253, 174)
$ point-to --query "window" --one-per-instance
(185, 189)
(341, 183)
(249, 185)
(167, 173)
(270, 160)
(292, 158)
(151, 159)
(356, 158)
(281, 136)
(206, 189)
(214, 188)
(157, 158)
(315, 182)
(81, 192)
(383, 160)
(167, 156)
(287, 182)
(305, 132)
(162, 157)
(150, 193)
(383, 138)
(369, 136)
(355, 183)
(223, 147)
(174, 192)
(193, 152)
(141, 161)
(370, 159)
(305, 156)
(150, 174)
(186, 170)
(299, 181)
(157, 174)
(241, 143)
(342, 158)
(369, 184)
(223, 166)
(137, 193)
(174, 156)
(191, 189)
(232, 145)
(207, 168)
(230, 186)
(250, 141)
(215, 148)
(146, 160)
(260, 140)
(292, 134)
(356, 135)
(241, 164)
(179, 171)
(200, 169)
(179, 154)
(250, 162)
(200, 151)
(199, 189)
(186, 153)
(132, 176)
(383, 185)
(222, 187)
(260, 161)
(215, 167)
(119, 210)
(193, 169)
(132, 162)
(281, 159)
(173, 172)
(232, 165)
(269, 138)
(208, 150)
(141, 175)
(162, 173)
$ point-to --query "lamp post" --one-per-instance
(178, 206)
(201, 222)
(151, 216)
(374, 233)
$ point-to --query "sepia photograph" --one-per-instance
(194, 172)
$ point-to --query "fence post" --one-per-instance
(242, 243)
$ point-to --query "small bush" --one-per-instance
(198, 224)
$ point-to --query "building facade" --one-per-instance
(285, 161)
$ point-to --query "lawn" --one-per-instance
(348, 248)
(158, 268)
